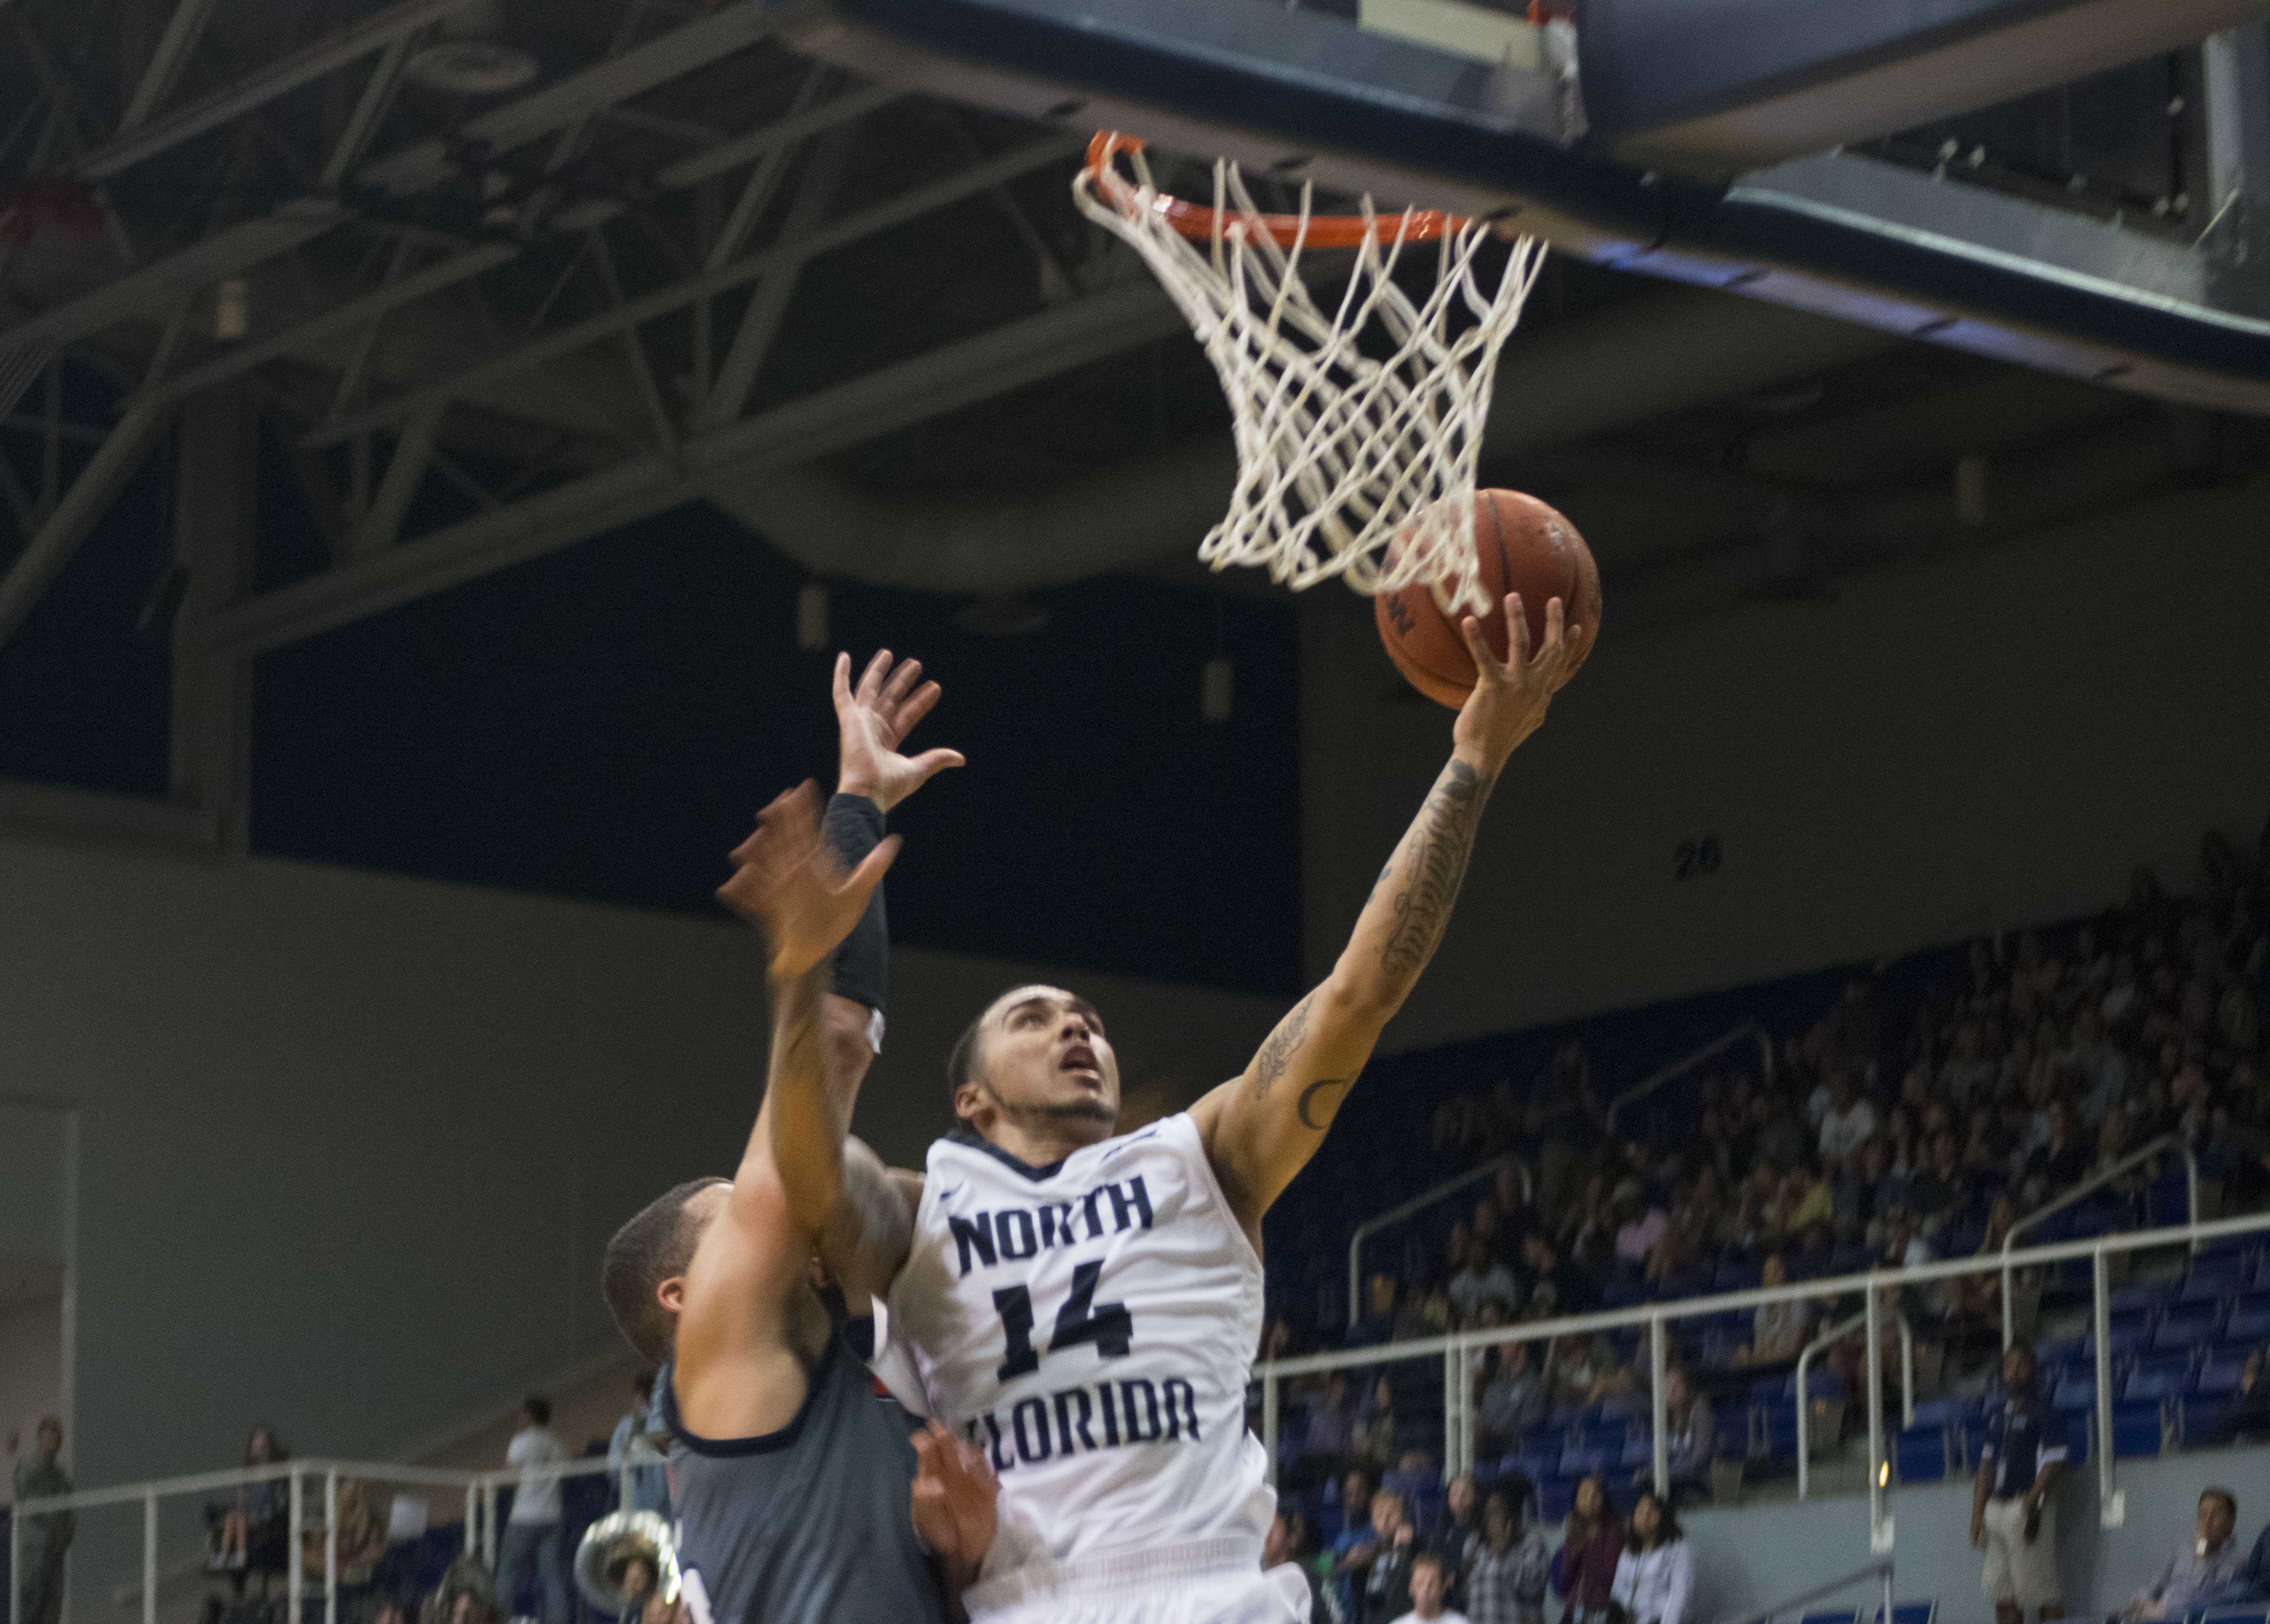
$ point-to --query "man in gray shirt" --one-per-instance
(794, 1479)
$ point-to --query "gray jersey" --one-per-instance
(809, 1525)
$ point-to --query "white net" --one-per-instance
(1359, 432)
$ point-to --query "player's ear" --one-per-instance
(671, 1294)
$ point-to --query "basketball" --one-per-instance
(1524, 546)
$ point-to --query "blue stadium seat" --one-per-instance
(2213, 1281)
(1576, 1461)
(2074, 1393)
(2077, 1428)
(2237, 1615)
(1910, 1612)
(1921, 1454)
(1639, 1453)
(2220, 1373)
(1841, 1616)
(1733, 1419)
(2184, 1328)
(1935, 1412)
(2047, 1354)
(2136, 1431)
(2144, 1299)
(2153, 1380)
(2248, 1322)
(1554, 1496)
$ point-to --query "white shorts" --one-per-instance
(2020, 1572)
(1210, 1581)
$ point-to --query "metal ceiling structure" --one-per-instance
(684, 262)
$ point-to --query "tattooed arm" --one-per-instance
(1261, 1129)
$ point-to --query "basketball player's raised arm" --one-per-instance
(1261, 1129)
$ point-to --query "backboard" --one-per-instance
(1756, 148)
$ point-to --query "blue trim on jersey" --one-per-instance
(763, 1442)
(977, 1141)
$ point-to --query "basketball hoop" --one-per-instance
(1352, 462)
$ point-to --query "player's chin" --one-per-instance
(1087, 1109)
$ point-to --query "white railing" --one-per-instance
(2089, 1187)
(1881, 1571)
(1828, 1339)
(479, 1488)
(1749, 1031)
(1419, 1204)
(1457, 1349)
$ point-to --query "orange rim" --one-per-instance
(1202, 224)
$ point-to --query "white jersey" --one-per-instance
(1091, 1326)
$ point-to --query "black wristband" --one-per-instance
(854, 827)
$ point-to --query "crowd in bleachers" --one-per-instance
(1921, 1109)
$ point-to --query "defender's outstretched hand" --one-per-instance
(788, 882)
(873, 720)
(1511, 695)
(953, 1502)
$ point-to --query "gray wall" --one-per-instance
(1755, 1557)
(2005, 730)
(351, 1144)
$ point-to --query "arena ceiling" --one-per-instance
(680, 263)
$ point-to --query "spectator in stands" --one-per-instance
(1331, 1430)
(1778, 1329)
(1586, 1218)
(1506, 1574)
(1592, 1544)
(1385, 1592)
(531, 1546)
(2061, 1160)
(1563, 1118)
(2206, 1563)
(1586, 1370)
(2013, 1516)
(1690, 1432)
(1429, 1584)
(1655, 1575)
(45, 1538)
(1481, 1277)
(1349, 1555)
(632, 1450)
(1849, 1121)
(2249, 1419)
(360, 1536)
(1513, 1397)
(1371, 1440)
(1555, 1285)
(1289, 1540)
(1639, 1224)
(1378, 1324)
(1462, 1525)
(249, 1530)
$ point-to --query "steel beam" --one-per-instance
(945, 379)
(768, 301)
(578, 96)
(846, 109)
(183, 29)
(378, 92)
(107, 472)
(364, 311)
(215, 508)
(382, 524)
(181, 276)
(567, 340)
(262, 86)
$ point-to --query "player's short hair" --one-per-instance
(656, 1244)
(961, 1061)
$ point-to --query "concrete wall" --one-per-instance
(352, 1144)
(1753, 1558)
(2001, 732)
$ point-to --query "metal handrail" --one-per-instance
(1874, 1571)
(1419, 1204)
(2090, 1186)
(1687, 1062)
(1834, 1334)
(481, 1514)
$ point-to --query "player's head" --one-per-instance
(644, 1273)
(1037, 1058)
